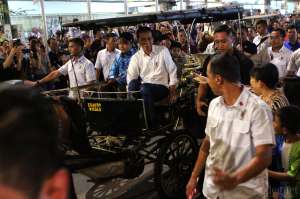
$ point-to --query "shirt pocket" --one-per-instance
(211, 126)
(240, 133)
(70, 69)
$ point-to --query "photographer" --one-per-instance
(35, 60)
(14, 58)
(11, 61)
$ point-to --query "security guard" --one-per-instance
(84, 74)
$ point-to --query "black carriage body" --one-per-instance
(115, 116)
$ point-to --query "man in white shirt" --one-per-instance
(294, 64)
(237, 148)
(210, 49)
(152, 71)
(84, 69)
(279, 54)
(261, 40)
(106, 57)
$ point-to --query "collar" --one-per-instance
(242, 100)
(152, 53)
(115, 51)
(80, 59)
(128, 53)
(282, 49)
(290, 43)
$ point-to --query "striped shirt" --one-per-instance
(276, 101)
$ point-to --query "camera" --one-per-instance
(16, 42)
(26, 51)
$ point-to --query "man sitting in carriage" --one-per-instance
(152, 71)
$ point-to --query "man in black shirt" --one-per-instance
(97, 45)
(55, 57)
(223, 43)
(54, 54)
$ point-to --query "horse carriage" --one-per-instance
(108, 131)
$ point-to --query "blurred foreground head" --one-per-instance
(29, 157)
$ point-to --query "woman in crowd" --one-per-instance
(264, 81)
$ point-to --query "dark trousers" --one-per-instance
(150, 93)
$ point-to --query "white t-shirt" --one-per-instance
(285, 153)
(234, 132)
(263, 46)
(105, 59)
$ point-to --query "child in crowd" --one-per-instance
(287, 122)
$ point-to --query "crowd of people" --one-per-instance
(251, 147)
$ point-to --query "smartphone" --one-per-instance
(16, 42)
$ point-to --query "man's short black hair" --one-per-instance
(291, 87)
(175, 44)
(157, 36)
(49, 40)
(32, 38)
(268, 74)
(96, 31)
(126, 36)
(261, 22)
(289, 117)
(77, 41)
(281, 32)
(142, 29)
(110, 35)
(29, 152)
(223, 28)
(291, 26)
(227, 66)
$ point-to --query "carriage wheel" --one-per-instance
(175, 162)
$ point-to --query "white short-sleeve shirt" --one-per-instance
(263, 46)
(105, 59)
(158, 68)
(234, 132)
(280, 59)
(84, 70)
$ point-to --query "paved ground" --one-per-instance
(138, 188)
